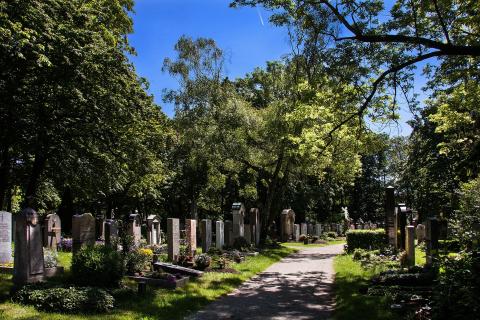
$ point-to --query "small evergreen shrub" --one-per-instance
(302, 237)
(98, 266)
(240, 243)
(366, 239)
(66, 300)
(331, 234)
(203, 261)
(50, 258)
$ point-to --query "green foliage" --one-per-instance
(456, 296)
(203, 261)
(366, 239)
(50, 258)
(100, 266)
(466, 221)
(240, 243)
(66, 300)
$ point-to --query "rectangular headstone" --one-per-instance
(191, 236)
(431, 239)
(410, 245)
(401, 217)
(420, 233)
(83, 231)
(296, 232)
(206, 235)
(310, 229)
(303, 229)
(111, 231)
(254, 218)
(238, 214)
(5, 237)
(248, 234)
(135, 228)
(173, 235)
(219, 234)
(228, 233)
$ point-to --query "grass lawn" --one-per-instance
(302, 245)
(157, 303)
(350, 304)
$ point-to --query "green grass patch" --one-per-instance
(162, 303)
(350, 304)
(302, 245)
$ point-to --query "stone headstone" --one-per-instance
(303, 228)
(238, 214)
(310, 229)
(173, 236)
(100, 227)
(228, 233)
(206, 234)
(83, 231)
(153, 230)
(420, 233)
(191, 236)
(431, 240)
(287, 220)
(111, 231)
(248, 234)
(254, 218)
(219, 234)
(401, 222)
(134, 228)
(296, 232)
(5, 237)
(318, 230)
(52, 231)
(28, 262)
(410, 245)
(390, 216)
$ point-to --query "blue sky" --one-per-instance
(244, 33)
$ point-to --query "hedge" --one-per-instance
(366, 239)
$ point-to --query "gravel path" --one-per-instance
(297, 287)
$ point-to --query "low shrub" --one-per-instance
(138, 260)
(203, 261)
(302, 237)
(98, 266)
(366, 239)
(50, 258)
(66, 300)
(331, 234)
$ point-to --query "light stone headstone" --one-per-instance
(206, 234)
(310, 229)
(296, 232)
(5, 237)
(52, 231)
(303, 228)
(238, 214)
(420, 232)
(111, 231)
(173, 236)
(219, 234)
(254, 218)
(318, 230)
(153, 230)
(248, 234)
(83, 231)
(134, 228)
(287, 220)
(191, 236)
(28, 262)
(410, 245)
(228, 233)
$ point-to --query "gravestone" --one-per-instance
(310, 229)
(173, 236)
(52, 231)
(134, 228)
(420, 233)
(248, 234)
(228, 233)
(83, 231)
(100, 227)
(111, 231)
(287, 220)
(191, 236)
(296, 232)
(238, 213)
(431, 240)
(5, 237)
(401, 222)
(410, 245)
(219, 235)
(153, 230)
(254, 217)
(318, 229)
(303, 228)
(28, 262)
(390, 216)
(206, 234)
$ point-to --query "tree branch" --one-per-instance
(442, 22)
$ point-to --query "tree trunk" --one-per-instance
(34, 179)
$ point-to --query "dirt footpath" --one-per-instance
(297, 287)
